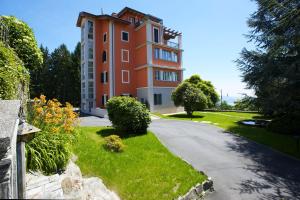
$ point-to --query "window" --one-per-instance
(157, 75)
(104, 77)
(124, 36)
(104, 56)
(91, 89)
(83, 90)
(82, 52)
(132, 20)
(90, 70)
(104, 99)
(157, 99)
(104, 37)
(125, 76)
(125, 55)
(82, 71)
(90, 30)
(166, 76)
(156, 53)
(90, 50)
(156, 35)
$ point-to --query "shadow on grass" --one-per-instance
(111, 131)
(277, 175)
(184, 116)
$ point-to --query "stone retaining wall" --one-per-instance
(9, 110)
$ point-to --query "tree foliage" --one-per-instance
(272, 70)
(195, 94)
(62, 68)
(206, 87)
(22, 40)
(14, 78)
(246, 103)
(190, 97)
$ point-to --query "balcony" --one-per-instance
(171, 44)
(170, 36)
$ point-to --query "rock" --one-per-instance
(208, 185)
(93, 188)
(199, 189)
(69, 185)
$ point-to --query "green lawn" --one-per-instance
(228, 120)
(145, 170)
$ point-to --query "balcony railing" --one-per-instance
(172, 44)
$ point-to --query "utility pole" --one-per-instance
(221, 97)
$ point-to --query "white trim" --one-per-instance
(126, 94)
(122, 36)
(104, 77)
(153, 35)
(105, 33)
(122, 50)
(105, 99)
(128, 76)
(111, 78)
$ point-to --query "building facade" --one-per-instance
(128, 53)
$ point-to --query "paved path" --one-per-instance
(241, 169)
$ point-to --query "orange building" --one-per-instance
(128, 53)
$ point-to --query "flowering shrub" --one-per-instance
(49, 150)
(51, 116)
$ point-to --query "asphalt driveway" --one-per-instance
(240, 169)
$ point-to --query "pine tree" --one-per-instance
(273, 68)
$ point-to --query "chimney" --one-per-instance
(114, 14)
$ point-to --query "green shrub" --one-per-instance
(114, 143)
(128, 115)
(48, 152)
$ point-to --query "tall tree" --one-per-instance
(39, 75)
(75, 75)
(59, 74)
(273, 69)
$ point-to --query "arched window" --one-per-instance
(104, 56)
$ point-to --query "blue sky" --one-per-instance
(212, 30)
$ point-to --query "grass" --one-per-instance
(229, 121)
(145, 170)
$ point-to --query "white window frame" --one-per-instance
(103, 37)
(105, 99)
(122, 36)
(154, 35)
(122, 51)
(126, 94)
(128, 72)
